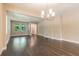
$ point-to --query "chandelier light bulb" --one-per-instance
(42, 13)
(50, 11)
(53, 14)
(48, 15)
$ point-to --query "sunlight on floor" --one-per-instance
(19, 43)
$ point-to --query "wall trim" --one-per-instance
(5, 44)
(4, 48)
(71, 41)
(19, 35)
(59, 39)
(49, 37)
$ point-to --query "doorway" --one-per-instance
(33, 34)
(33, 29)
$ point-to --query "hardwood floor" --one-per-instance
(39, 46)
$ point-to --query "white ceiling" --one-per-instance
(57, 7)
(40, 6)
(19, 17)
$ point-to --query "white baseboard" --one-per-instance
(60, 39)
(4, 48)
(71, 41)
(5, 44)
(49, 37)
(7, 40)
(19, 34)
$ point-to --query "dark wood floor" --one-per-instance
(39, 46)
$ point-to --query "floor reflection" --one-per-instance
(33, 40)
(19, 43)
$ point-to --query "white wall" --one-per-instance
(71, 25)
(67, 30)
(2, 28)
(50, 28)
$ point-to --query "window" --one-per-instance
(19, 27)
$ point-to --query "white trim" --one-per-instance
(8, 38)
(5, 44)
(19, 34)
(4, 48)
(59, 39)
(49, 37)
(71, 41)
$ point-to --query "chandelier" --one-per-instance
(47, 14)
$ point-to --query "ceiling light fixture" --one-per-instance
(42, 13)
(47, 14)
